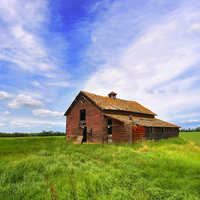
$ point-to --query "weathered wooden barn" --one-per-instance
(99, 119)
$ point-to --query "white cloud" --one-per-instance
(36, 84)
(18, 37)
(6, 96)
(45, 113)
(161, 90)
(22, 38)
(194, 29)
(149, 90)
(34, 123)
(175, 89)
(158, 67)
(193, 120)
(6, 113)
(25, 102)
(60, 84)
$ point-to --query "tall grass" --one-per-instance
(56, 169)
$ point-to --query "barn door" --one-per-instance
(109, 130)
(84, 134)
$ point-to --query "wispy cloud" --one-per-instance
(151, 58)
(34, 124)
(45, 113)
(36, 84)
(23, 41)
(6, 113)
(23, 101)
(60, 84)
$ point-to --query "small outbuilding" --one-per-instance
(99, 119)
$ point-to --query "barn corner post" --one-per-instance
(102, 128)
(131, 135)
(66, 135)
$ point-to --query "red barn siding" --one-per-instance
(120, 131)
(94, 120)
(138, 133)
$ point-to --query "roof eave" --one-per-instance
(72, 104)
(75, 100)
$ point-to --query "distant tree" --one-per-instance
(43, 133)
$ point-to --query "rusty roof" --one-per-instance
(142, 121)
(108, 103)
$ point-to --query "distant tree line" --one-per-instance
(190, 129)
(43, 133)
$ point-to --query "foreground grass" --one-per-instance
(193, 136)
(53, 168)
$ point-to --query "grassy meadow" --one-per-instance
(54, 168)
(192, 136)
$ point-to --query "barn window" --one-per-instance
(82, 100)
(163, 129)
(151, 129)
(172, 130)
(82, 115)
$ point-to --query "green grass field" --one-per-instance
(53, 168)
(192, 136)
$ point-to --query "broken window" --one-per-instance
(82, 100)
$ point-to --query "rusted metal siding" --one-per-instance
(93, 120)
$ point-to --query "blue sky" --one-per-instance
(144, 50)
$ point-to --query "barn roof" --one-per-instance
(142, 121)
(108, 103)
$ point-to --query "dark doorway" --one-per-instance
(84, 134)
(109, 130)
(82, 115)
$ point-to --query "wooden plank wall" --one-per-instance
(138, 133)
(93, 120)
(141, 132)
(158, 134)
(120, 131)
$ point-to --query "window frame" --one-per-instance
(150, 129)
(81, 118)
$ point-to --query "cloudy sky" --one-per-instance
(144, 50)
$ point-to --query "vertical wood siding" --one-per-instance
(138, 133)
(93, 120)
(168, 133)
(120, 131)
